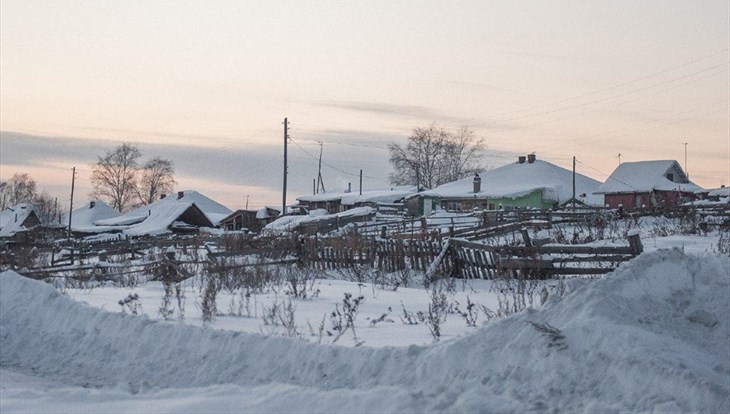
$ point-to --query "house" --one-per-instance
(242, 220)
(336, 202)
(17, 219)
(527, 183)
(647, 183)
(84, 217)
(186, 213)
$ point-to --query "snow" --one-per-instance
(373, 196)
(213, 210)
(83, 218)
(288, 223)
(12, 218)
(645, 176)
(516, 180)
(651, 336)
(719, 192)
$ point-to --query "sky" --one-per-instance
(208, 85)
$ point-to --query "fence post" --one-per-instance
(635, 242)
(451, 230)
(383, 233)
(526, 237)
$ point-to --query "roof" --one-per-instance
(719, 192)
(12, 218)
(516, 180)
(351, 198)
(647, 176)
(214, 211)
(162, 217)
(83, 218)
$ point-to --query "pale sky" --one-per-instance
(208, 84)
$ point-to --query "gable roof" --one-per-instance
(84, 217)
(647, 176)
(516, 180)
(214, 211)
(13, 219)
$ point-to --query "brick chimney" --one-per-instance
(530, 158)
(477, 183)
(521, 159)
(180, 194)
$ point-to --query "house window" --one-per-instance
(637, 200)
(670, 177)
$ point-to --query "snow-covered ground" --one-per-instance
(652, 336)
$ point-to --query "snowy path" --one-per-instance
(653, 336)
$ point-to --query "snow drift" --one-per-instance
(652, 336)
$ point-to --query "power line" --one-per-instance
(610, 87)
(610, 177)
(605, 98)
(332, 166)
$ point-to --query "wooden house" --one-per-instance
(528, 183)
(653, 183)
(18, 219)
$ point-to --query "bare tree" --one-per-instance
(20, 188)
(434, 156)
(156, 179)
(114, 176)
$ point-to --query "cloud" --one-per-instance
(219, 170)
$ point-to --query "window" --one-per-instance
(670, 177)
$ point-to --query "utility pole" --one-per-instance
(574, 183)
(686, 170)
(71, 209)
(247, 201)
(320, 180)
(360, 182)
(286, 139)
(619, 158)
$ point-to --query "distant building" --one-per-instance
(648, 183)
(18, 219)
(336, 202)
(527, 183)
(241, 220)
(186, 213)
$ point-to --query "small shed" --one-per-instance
(242, 220)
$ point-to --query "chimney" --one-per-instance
(477, 183)
(521, 159)
(92, 204)
(163, 195)
(349, 187)
(530, 158)
(180, 194)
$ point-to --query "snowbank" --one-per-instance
(652, 336)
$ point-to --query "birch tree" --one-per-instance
(434, 156)
(114, 176)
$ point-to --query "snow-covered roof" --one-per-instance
(647, 176)
(12, 218)
(288, 223)
(160, 219)
(214, 211)
(351, 198)
(719, 192)
(83, 218)
(516, 180)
